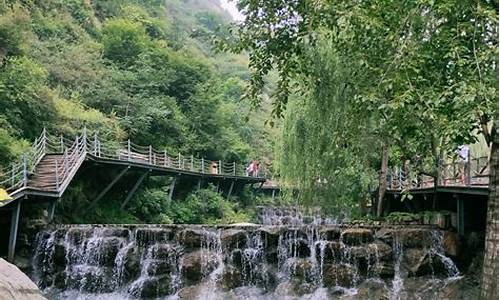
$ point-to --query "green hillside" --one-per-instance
(143, 70)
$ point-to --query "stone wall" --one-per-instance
(159, 260)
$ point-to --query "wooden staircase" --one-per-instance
(44, 176)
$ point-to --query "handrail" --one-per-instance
(474, 172)
(74, 150)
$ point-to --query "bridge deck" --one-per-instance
(48, 168)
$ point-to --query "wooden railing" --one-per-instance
(72, 152)
(474, 172)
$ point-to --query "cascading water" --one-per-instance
(238, 262)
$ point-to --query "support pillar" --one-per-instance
(51, 210)
(107, 188)
(14, 223)
(172, 187)
(273, 194)
(199, 184)
(460, 216)
(230, 189)
(133, 190)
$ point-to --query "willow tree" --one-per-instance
(434, 66)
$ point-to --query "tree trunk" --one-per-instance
(382, 180)
(489, 285)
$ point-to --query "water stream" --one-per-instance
(302, 261)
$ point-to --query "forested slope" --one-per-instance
(143, 70)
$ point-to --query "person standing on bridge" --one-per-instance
(463, 152)
(213, 168)
(256, 168)
(249, 169)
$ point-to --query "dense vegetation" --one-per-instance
(143, 70)
(371, 84)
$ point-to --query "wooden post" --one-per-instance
(25, 171)
(44, 140)
(150, 159)
(51, 209)
(84, 137)
(14, 223)
(172, 187)
(57, 175)
(202, 165)
(220, 167)
(234, 168)
(179, 162)
(128, 149)
(62, 143)
(192, 163)
(230, 189)
(199, 183)
(467, 171)
(95, 143)
(13, 177)
(133, 190)
(165, 157)
(273, 195)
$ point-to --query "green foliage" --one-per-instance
(24, 99)
(420, 77)
(124, 40)
(143, 70)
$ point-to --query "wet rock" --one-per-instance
(385, 269)
(236, 258)
(451, 244)
(76, 235)
(301, 248)
(414, 237)
(231, 278)
(303, 269)
(131, 264)
(233, 238)
(415, 261)
(385, 235)
(59, 256)
(357, 236)
(148, 236)
(89, 279)
(381, 250)
(330, 233)
(60, 280)
(109, 249)
(196, 265)
(191, 238)
(158, 268)
(115, 232)
(329, 250)
(339, 275)
(163, 251)
(151, 287)
(373, 290)
(270, 236)
(15, 285)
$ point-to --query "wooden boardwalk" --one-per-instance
(51, 164)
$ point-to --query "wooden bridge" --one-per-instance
(51, 164)
(460, 187)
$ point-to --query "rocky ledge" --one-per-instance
(15, 285)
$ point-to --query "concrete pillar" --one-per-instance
(14, 224)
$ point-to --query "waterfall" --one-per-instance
(305, 261)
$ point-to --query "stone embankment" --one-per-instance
(158, 260)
